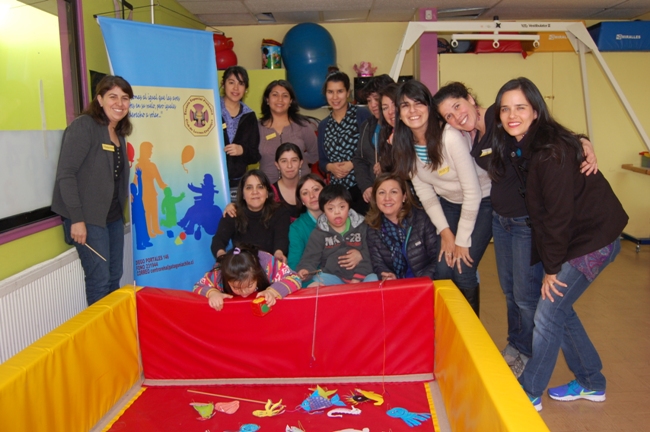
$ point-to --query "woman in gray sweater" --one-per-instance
(91, 187)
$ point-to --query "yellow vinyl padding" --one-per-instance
(67, 380)
(479, 390)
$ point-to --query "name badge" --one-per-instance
(271, 136)
(486, 152)
(443, 171)
(224, 126)
(108, 147)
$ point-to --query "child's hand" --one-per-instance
(215, 299)
(269, 297)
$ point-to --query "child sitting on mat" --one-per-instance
(338, 230)
(243, 271)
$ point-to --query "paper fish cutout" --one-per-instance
(227, 407)
(361, 396)
(250, 427)
(338, 412)
(411, 419)
(319, 400)
(354, 430)
(205, 410)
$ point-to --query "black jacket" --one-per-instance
(421, 248)
(364, 158)
(247, 136)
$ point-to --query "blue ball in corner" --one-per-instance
(308, 50)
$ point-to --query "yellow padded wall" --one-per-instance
(479, 390)
(70, 378)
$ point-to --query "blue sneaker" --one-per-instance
(574, 391)
(536, 401)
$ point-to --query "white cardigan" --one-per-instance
(458, 180)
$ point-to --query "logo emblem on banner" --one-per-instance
(198, 115)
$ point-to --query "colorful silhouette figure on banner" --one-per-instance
(142, 239)
(149, 194)
(168, 208)
(204, 213)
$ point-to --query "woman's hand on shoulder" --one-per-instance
(351, 259)
(216, 298)
(367, 194)
(590, 164)
(461, 254)
(447, 246)
(231, 210)
(269, 297)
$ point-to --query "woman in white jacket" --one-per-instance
(453, 190)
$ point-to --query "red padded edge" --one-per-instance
(181, 337)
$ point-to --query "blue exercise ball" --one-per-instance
(308, 50)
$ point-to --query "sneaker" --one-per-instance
(574, 391)
(518, 366)
(536, 401)
(509, 354)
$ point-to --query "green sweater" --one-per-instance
(299, 232)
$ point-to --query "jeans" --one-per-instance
(102, 277)
(557, 326)
(330, 279)
(521, 283)
(467, 280)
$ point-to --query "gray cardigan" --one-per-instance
(84, 184)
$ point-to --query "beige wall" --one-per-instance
(558, 76)
(374, 42)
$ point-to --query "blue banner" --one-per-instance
(179, 182)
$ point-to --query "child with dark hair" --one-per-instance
(338, 230)
(243, 271)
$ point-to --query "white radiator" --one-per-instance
(41, 298)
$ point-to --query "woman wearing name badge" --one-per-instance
(520, 282)
(281, 123)
(91, 186)
(454, 192)
(241, 135)
(338, 136)
(576, 223)
(401, 238)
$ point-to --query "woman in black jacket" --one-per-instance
(401, 238)
(241, 136)
(576, 222)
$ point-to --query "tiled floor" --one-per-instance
(615, 311)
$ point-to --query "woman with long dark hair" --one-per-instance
(452, 189)
(519, 280)
(576, 223)
(240, 132)
(91, 187)
(281, 123)
(338, 136)
(260, 220)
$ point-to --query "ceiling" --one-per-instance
(250, 12)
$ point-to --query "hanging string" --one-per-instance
(383, 316)
(313, 337)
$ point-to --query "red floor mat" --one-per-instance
(168, 409)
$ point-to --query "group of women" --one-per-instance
(437, 176)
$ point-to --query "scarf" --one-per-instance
(340, 143)
(394, 236)
(233, 122)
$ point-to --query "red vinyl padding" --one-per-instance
(357, 328)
